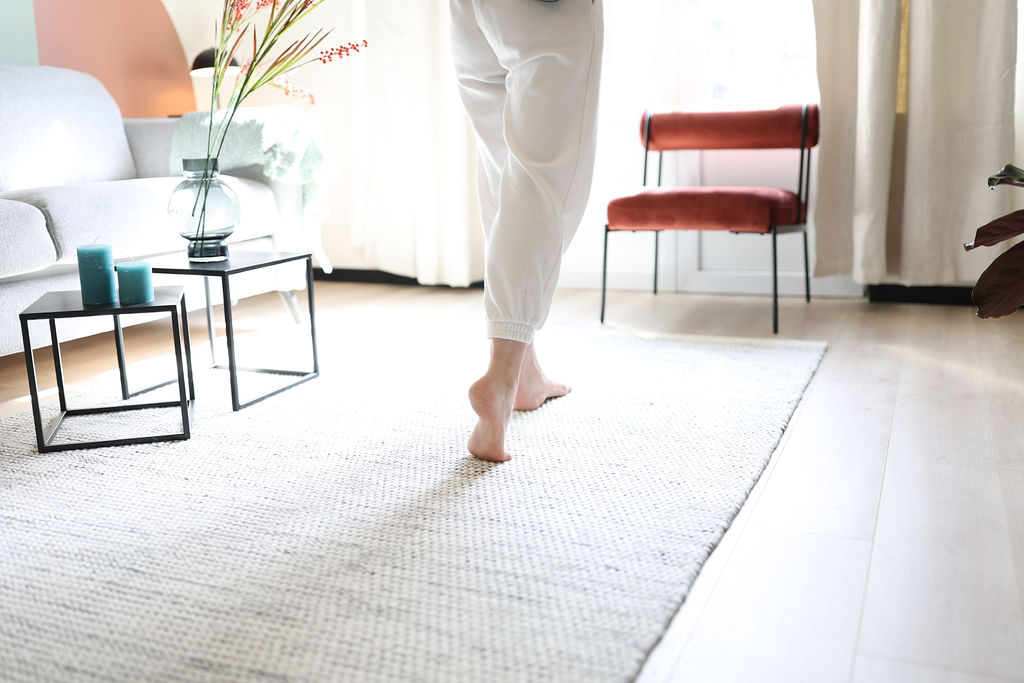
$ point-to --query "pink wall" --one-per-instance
(130, 46)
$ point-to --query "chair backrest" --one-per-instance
(792, 126)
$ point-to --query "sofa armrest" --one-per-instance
(150, 142)
(25, 244)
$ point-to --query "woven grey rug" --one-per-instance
(339, 531)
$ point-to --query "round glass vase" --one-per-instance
(204, 210)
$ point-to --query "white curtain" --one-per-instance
(917, 101)
(399, 149)
(405, 192)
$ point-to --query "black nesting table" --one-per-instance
(241, 262)
(55, 305)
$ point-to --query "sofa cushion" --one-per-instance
(59, 126)
(25, 245)
(150, 142)
(131, 215)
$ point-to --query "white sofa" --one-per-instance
(73, 172)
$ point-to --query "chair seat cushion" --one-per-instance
(737, 209)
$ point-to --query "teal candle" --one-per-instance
(96, 274)
(135, 282)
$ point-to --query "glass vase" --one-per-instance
(204, 210)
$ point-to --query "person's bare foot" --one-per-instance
(487, 442)
(534, 386)
(492, 398)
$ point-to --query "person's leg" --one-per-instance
(552, 54)
(481, 81)
(536, 154)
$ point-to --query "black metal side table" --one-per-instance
(240, 262)
(54, 305)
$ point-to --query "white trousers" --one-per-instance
(528, 73)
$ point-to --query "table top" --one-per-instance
(68, 304)
(236, 262)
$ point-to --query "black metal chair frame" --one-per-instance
(802, 195)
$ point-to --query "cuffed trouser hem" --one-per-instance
(500, 329)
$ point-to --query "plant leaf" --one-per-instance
(231, 52)
(1000, 289)
(1010, 175)
(1010, 225)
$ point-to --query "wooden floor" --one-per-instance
(885, 542)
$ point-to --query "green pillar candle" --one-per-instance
(96, 274)
(135, 282)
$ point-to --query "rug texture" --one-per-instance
(339, 531)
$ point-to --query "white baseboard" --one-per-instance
(791, 283)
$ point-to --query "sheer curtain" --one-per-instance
(399, 151)
(405, 193)
(404, 198)
(917, 110)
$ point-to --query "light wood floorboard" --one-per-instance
(943, 588)
(786, 608)
(878, 670)
(885, 541)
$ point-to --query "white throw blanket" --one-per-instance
(284, 141)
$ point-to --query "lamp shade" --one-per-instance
(206, 59)
(202, 73)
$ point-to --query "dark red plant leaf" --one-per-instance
(1000, 289)
(1010, 175)
(1010, 225)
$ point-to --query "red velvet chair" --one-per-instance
(759, 210)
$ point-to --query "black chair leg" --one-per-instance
(807, 270)
(656, 236)
(604, 272)
(775, 285)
